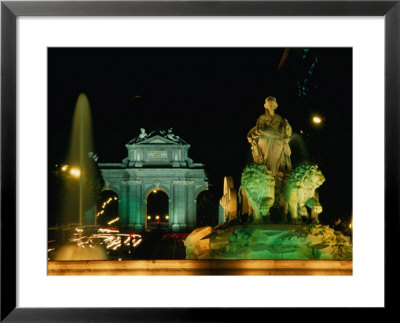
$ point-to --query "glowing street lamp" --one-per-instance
(75, 172)
(316, 120)
(64, 168)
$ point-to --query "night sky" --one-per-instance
(211, 97)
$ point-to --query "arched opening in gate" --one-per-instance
(157, 210)
(107, 209)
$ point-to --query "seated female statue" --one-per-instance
(269, 139)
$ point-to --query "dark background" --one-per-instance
(211, 97)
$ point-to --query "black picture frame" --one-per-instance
(10, 10)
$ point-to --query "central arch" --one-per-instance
(157, 210)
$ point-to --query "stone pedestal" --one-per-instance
(175, 227)
(139, 227)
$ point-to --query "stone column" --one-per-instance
(136, 205)
(171, 209)
(191, 205)
(180, 205)
(123, 203)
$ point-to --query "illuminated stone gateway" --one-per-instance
(157, 161)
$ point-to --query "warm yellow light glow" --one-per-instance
(157, 217)
(115, 198)
(149, 217)
(108, 230)
(137, 242)
(167, 217)
(75, 172)
(316, 120)
(64, 168)
(113, 221)
(154, 191)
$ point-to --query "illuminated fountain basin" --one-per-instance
(280, 242)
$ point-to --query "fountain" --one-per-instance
(281, 202)
(80, 172)
(81, 186)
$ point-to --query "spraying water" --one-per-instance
(80, 186)
(79, 168)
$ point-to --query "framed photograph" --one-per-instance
(134, 133)
(149, 198)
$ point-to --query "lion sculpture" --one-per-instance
(257, 190)
(300, 191)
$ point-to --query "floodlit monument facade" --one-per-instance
(157, 161)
